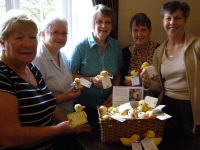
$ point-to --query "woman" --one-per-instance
(176, 61)
(94, 54)
(28, 109)
(141, 50)
(53, 63)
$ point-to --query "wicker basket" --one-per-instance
(113, 130)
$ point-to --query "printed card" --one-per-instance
(85, 82)
(151, 101)
(77, 118)
(151, 71)
(124, 107)
(149, 144)
(106, 82)
(136, 145)
(135, 80)
(163, 116)
(124, 94)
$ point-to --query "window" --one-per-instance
(76, 12)
(2, 8)
(80, 22)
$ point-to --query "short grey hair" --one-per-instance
(106, 11)
(53, 19)
(10, 21)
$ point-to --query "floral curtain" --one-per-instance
(114, 5)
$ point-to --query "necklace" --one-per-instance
(169, 53)
(173, 52)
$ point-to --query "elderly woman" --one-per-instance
(141, 50)
(53, 63)
(27, 107)
(94, 54)
(177, 61)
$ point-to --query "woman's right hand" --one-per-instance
(97, 82)
(66, 129)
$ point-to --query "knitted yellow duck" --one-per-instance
(128, 141)
(151, 134)
(79, 108)
(145, 64)
(77, 83)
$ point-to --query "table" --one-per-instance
(92, 141)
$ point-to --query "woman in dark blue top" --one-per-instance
(27, 108)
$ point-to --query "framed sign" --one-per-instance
(124, 94)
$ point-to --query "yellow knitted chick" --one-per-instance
(128, 141)
(145, 64)
(151, 134)
(79, 108)
(135, 137)
(144, 105)
(110, 108)
(103, 74)
(106, 117)
(134, 73)
(77, 83)
(150, 114)
(114, 110)
(102, 110)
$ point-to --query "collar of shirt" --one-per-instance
(93, 43)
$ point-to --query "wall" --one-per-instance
(127, 8)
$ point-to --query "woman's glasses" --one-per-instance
(57, 33)
(100, 22)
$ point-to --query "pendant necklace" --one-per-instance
(173, 54)
(169, 53)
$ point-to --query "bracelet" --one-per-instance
(91, 79)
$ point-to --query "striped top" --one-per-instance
(36, 104)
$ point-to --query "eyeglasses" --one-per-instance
(100, 22)
(57, 33)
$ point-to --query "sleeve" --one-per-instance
(6, 85)
(197, 47)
